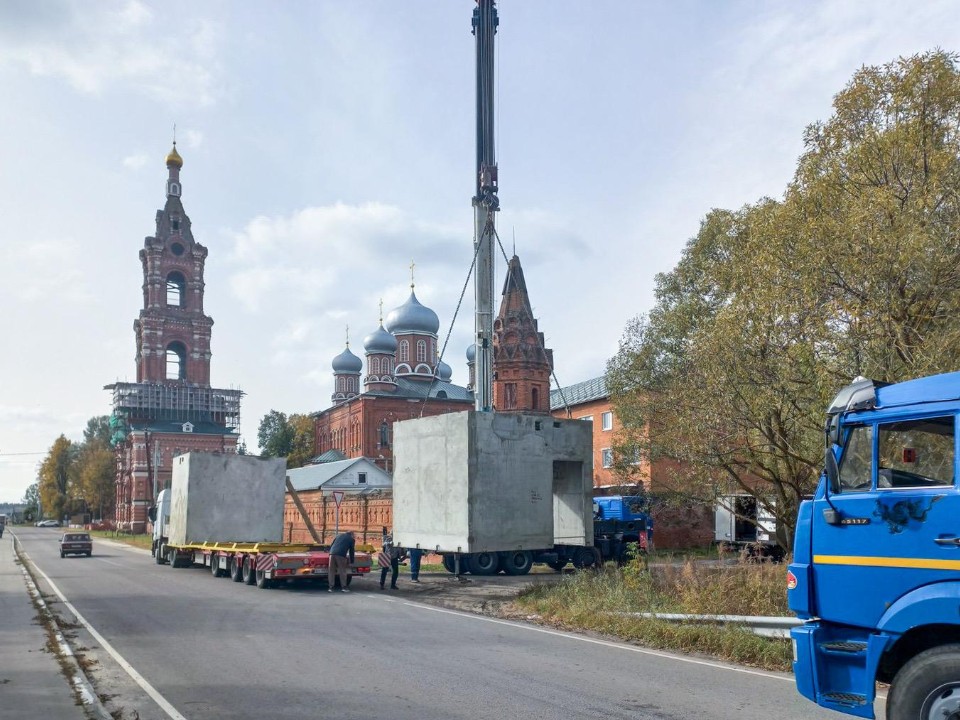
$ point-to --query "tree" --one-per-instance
(31, 501)
(95, 474)
(54, 478)
(774, 307)
(275, 435)
(302, 446)
(97, 431)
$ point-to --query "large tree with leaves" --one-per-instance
(773, 307)
(54, 478)
(289, 437)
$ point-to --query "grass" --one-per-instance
(141, 541)
(602, 601)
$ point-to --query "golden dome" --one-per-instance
(173, 158)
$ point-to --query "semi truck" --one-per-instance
(494, 492)
(876, 569)
(225, 513)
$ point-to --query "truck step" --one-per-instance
(845, 699)
(852, 647)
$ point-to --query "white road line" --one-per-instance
(169, 709)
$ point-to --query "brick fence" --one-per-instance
(366, 515)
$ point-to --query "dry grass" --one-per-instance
(601, 602)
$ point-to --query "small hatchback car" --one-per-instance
(76, 543)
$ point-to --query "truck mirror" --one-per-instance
(833, 471)
(152, 514)
(833, 430)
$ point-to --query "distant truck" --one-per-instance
(498, 492)
(225, 512)
(743, 523)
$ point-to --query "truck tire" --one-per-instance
(236, 568)
(517, 562)
(450, 567)
(927, 687)
(158, 557)
(484, 563)
(586, 557)
(249, 574)
(215, 566)
(263, 582)
(172, 557)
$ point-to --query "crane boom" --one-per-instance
(485, 201)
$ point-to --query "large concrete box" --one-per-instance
(483, 482)
(226, 498)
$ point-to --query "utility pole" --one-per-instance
(485, 201)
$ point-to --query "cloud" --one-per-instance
(44, 269)
(193, 138)
(135, 162)
(95, 46)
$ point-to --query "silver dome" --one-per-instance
(444, 372)
(380, 342)
(472, 354)
(412, 317)
(347, 362)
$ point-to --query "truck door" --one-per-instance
(897, 499)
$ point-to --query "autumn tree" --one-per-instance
(54, 478)
(772, 308)
(302, 445)
(290, 437)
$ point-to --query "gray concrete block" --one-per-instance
(484, 482)
(226, 498)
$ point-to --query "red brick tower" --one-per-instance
(171, 409)
(522, 364)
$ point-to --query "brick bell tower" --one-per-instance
(171, 409)
(522, 364)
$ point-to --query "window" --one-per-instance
(374, 366)
(421, 351)
(856, 466)
(586, 418)
(535, 399)
(387, 366)
(176, 284)
(176, 361)
(384, 434)
(606, 457)
(404, 351)
(510, 396)
(361, 478)
(606, 421)
(915, 453)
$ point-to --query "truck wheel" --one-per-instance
(585, 558)
(485, 563)
(236, 569)
(450, 567)
(927, 687)
(215, 566)
(249, 576)
(517, 562)
(158, 557)
(172, 558)
(262, 581)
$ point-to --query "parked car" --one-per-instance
(48, 523)
(76, 543)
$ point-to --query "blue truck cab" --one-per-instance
(876, 570)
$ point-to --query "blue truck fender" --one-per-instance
(934, 604)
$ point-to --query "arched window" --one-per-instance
(421, 351)
(176, 361)
(404, 351)
(350, 384)
(176, 290)
(387, 366)
(384, 434)
(340, 384)
(374, 366)
(535, 399)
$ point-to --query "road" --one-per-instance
(203, 648)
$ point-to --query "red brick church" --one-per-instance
(403, 377)
(172, 408)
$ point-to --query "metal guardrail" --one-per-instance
(767, 626)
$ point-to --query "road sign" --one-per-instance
(337, 497)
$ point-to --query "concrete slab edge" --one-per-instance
(78, 679)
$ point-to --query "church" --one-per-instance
(402, 376)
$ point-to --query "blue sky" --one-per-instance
(327, 145)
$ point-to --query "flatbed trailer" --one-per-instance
(262, 564)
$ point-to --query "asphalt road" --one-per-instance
(208, 648)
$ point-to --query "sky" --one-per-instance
(329, 145)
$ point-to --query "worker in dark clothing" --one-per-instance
(415, 555)
(389, 559)
(342, 553)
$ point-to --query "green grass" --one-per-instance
(142, 541)
(601, 602)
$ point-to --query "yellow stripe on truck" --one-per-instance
(894, 562)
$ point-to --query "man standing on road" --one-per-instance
(415, 554)
(342, 553)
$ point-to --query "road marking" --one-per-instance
(169, 709)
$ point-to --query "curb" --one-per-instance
(78, 679)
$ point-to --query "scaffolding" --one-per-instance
(177, 401)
